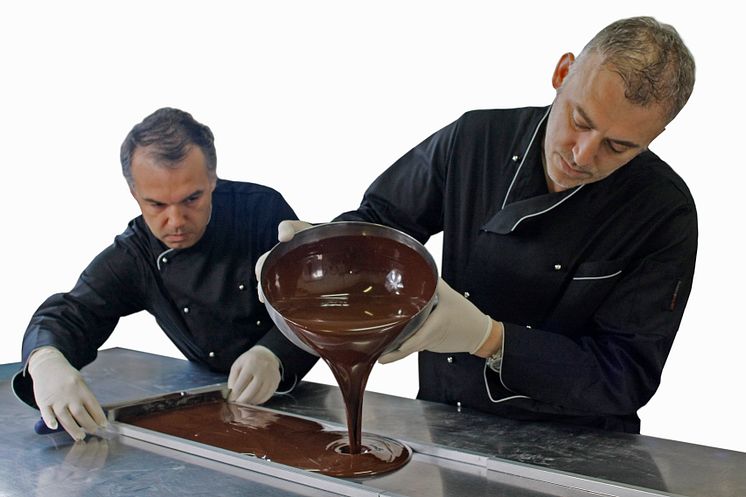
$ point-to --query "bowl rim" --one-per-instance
(301, 236)
(306, 235)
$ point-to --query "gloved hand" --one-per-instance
(454, 325)
(286, 230)
(254, 376)
(62, 395)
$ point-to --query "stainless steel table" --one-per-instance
(457, 452)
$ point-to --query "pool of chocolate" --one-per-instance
(348, 298)
(278, 437)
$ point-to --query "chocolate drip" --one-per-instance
(348, 298)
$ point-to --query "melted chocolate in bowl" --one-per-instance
(348, 298)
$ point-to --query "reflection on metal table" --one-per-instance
(457, 452)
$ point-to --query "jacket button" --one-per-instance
(258, 323)
(557, 267)
(515, 158)
(449, 359)
(211, 354)
(186, 310)
(164, 260)
(241, 287)
(467, 294)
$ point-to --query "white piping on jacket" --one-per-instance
(160, 256)
(489, 393)
(515, 176)
(604, 277)
(500, 374)
(547, 209)
(523, 159)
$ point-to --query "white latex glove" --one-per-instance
(62, 395)
(286, 230)
(454, 325)
(254, 376)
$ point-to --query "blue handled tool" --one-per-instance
(41, 428)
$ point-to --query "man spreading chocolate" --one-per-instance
(188, 260)
(568, 246)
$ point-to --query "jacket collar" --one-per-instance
(507, 220)
(521, 201)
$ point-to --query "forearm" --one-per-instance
(78, 322)
(409, 195)
(602, 373)
(73, 331)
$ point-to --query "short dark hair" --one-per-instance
(169, 133)
(651, 58)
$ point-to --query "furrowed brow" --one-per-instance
(153, 201)
(194, 194)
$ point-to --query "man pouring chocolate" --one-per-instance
(568, 246)
(188, 260)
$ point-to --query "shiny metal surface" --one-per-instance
(457, 452)
(337, 229)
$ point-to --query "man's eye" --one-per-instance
(581, 126)
(615, 148)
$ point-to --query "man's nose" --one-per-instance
(586, 148)
(175, 216)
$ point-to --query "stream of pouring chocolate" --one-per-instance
(348, 298)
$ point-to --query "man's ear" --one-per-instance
(562, 69)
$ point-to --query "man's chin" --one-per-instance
(560, 185)
(178, 242)
(561, 182)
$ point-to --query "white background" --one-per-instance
(316, 99)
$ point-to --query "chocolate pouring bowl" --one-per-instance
(349, 292)
(315, 268)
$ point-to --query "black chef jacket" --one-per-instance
(591, 282)
(204, 297)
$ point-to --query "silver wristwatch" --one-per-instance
(495, 361)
